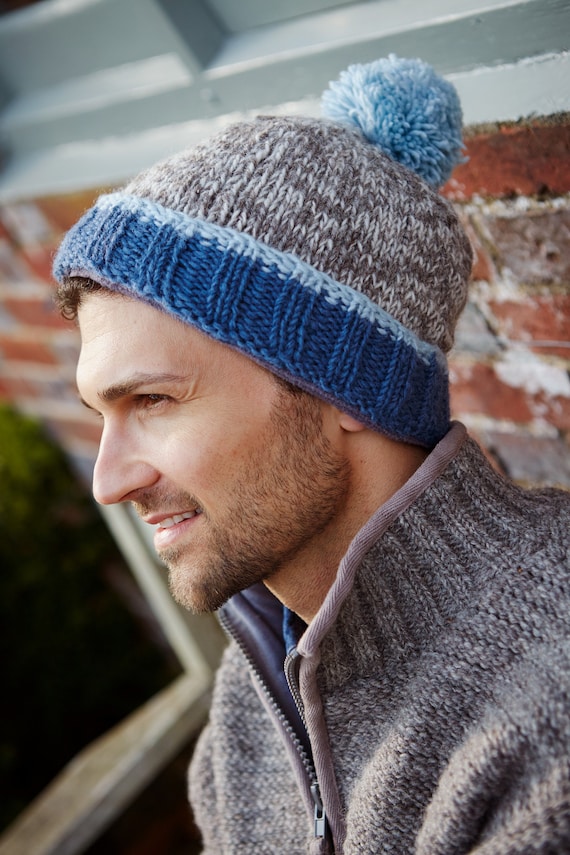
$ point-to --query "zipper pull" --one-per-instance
(320, 816)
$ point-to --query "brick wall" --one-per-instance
(38, 349)
(509, 369)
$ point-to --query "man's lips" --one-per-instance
(169, 520)
(169, 529)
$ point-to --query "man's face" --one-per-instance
(235, 471)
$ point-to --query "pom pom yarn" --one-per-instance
(406, 109)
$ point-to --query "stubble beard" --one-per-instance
(288, 493)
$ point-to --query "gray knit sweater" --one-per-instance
(435, 685)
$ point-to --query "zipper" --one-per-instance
(291, 667)
(319, 816)
(292, 661)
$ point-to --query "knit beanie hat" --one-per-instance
(320, 248)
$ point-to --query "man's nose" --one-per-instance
(120, 469)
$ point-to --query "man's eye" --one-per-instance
(151, 400)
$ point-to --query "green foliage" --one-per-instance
(74, 660)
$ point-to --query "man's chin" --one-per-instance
(196, 598)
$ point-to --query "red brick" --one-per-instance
(22, 350)
(540, 318)
(535, 247)
(482, 269)
(39, 259)
(476, 389)
(35, 312)
(514, 160)
(14, 389)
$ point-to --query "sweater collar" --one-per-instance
(431, 469)
(254, 616)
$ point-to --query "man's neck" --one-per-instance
(379, 467)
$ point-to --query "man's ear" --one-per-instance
(350, 424)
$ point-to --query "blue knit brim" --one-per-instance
(281, 312)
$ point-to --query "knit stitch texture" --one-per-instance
(438, 697)
(321, 194)
(406, 109)
(281, 312)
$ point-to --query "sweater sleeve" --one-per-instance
(507, 787)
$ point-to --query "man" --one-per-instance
(263, 322)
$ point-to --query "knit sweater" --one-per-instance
(434, 685)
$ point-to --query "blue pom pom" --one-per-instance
(406, 109)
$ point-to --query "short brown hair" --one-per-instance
(71, 292)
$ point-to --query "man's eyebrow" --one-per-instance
(132, 385)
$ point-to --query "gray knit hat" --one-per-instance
(310, 245)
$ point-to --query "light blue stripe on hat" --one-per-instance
(275, 308)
